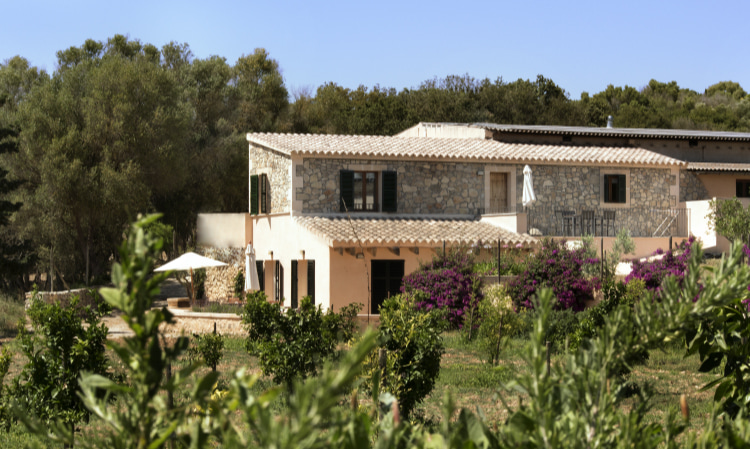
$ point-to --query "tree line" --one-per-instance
(122, 127)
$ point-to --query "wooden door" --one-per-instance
(498, 192)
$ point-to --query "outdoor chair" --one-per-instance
(608, 221)
(565, 221)
(588, 222)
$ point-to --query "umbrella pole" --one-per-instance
(192, 288)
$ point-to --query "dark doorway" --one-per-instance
(295, 281)
(387, 276)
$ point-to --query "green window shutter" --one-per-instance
(254, 194)
(347, 190)
(263, 181)
(295, 303)
(622, 192)
(606, 188)
(390, 191)
(311, 280)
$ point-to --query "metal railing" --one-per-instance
(641, 221)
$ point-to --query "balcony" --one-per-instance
(641, 221)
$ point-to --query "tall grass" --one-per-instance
(11, 311)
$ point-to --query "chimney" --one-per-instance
(610, 122)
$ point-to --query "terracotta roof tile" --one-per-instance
(717, 166)
(408, 231)
(456, 149)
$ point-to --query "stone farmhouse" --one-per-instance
(344, 218)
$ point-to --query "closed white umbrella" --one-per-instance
(528, 187)
(251, 273)
(189, 262)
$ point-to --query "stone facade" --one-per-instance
(560, 186)
(423, 187)
(580, 188)
(691, 187)
(649, 187)
(278, 168)
(219, 283)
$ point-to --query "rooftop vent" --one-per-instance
(610, 122)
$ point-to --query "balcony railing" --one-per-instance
(641, 221)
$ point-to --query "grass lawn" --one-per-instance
(472, 383)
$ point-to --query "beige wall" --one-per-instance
(644, 246)
(349, 275)
(443, 130)
(722, 185)
(224, 230)
(510, 222)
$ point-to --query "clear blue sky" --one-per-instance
(580, 45)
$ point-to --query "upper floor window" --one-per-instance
(360, 192)
(743, 188)
(615, 189)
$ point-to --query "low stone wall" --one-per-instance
(87, 297)
(219, 283)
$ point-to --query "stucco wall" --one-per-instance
(721, 185)
(423, 187)
(349, 275)
(277, 167)
(279, 234)
(224, 230)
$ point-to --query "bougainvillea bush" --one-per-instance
(672, 263)
(561, 269)
(449, 283)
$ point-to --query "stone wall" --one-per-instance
(578, 188)
(560, 186)
(219, 283)
(691, 187)
(277, 167)
(423, 187)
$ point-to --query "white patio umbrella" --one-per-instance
(189, 262)
(528, 187)
(251, 273)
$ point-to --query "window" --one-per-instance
(259, 194)
(360, 193)
(615, 189)
(743, 188)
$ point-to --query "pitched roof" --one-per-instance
(647, 133)
(454, 149)
(407, 231)
(718, 166)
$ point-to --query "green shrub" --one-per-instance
(291, 344)
(239, 284)
(207, 348)
(414, 348)
(200, 283)
(60, 348)
(498, 321)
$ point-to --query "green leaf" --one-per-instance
(712, 361)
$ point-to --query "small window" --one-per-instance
(360, 191)
(615, 189)
(743, 188)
